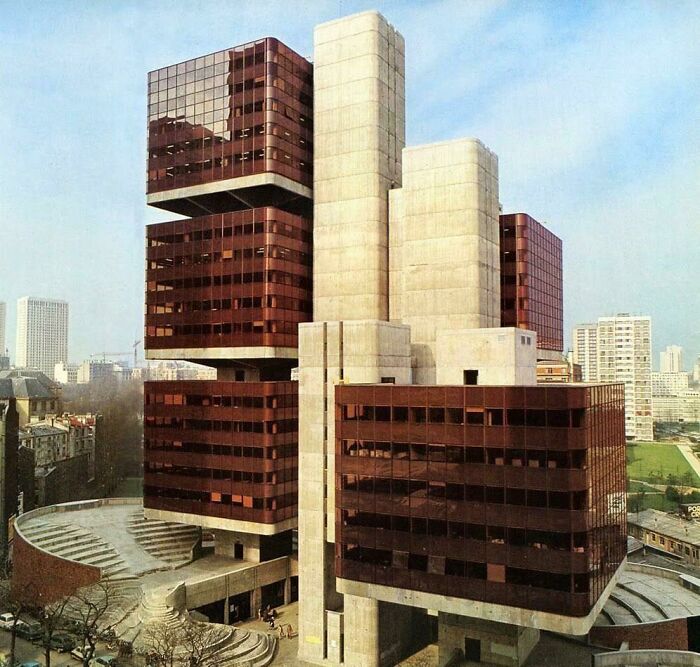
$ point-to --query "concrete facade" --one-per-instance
(492, 643)
(332, 352)
(501, 356)
(358, 136)
(444, 245)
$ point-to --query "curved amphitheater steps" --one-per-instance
(169, 542)
(626, 605)
(77, 544)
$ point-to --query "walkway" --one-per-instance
(690, 458)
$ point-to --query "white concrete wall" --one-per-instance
(359, 131)
(444, 245)
(503, 356)
(329, 353)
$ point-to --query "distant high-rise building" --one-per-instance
(42, 334)
(696, 370)
(585, 353)
(3, 313)
(624, 355)
(671, 359)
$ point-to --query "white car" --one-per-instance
(7, 620)
(79, 652)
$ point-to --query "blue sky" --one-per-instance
(593, 109)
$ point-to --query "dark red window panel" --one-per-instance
(228, 280)
(531, 279)
(223, 449)
(238, 112)
(511, 495)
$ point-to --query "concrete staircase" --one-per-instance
(248, 649)
(77, 544)
(170, 542)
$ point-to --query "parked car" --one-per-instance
(29, 631)
(30, 663)
(62, 643)
(6, 620)
(104, 661)
(79, 652)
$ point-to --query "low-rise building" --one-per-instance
(684, 407)
(668, 384)
(667, 532)
(64, 456)
(558, 371)
(66, 373)
(36, 395)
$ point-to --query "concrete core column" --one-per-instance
(361, 632)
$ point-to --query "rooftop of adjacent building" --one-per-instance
(669, 525)
(25, 383)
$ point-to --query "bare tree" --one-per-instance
(199, 640)
(18, 603)
(88, 608)
(161, 643)
(51, 620)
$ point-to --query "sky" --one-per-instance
(592, 107)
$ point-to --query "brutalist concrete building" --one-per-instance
(434, 477)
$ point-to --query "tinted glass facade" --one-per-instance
(531, 279)
(510, 495)
(221, 449)
(228, 280)
(242, 111)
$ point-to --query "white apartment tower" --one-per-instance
(624, 355)
(3, 313)
(585, 342)
(671, 359)
(42, 334)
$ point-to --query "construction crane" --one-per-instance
(104, 355)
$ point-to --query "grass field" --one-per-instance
(650, 460)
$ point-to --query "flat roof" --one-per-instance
(667, 525)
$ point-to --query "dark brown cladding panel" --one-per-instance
(238, 112)
(512, 495)
(531, 279)
(222, 449)
(228, 280)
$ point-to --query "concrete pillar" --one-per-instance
(287, 590)
(444, 245)
(359, 131)
(226, 610)
(361, 632)
(255, 601)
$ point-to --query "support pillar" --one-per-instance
(361, 632)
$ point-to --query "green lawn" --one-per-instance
(650, 461)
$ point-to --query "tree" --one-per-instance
(199, 640)
(672, 494)
(87, 607)
(51, 620)
(18, 604)
(161, 642)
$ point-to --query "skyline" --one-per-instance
(593, 134)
